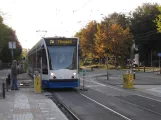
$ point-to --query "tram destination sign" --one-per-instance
(53, 42)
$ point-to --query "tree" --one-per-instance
(24, 52)
(87, 43)
(113, 40)
(144, 30)
(8, 34)
(158, 20)
(117, 18)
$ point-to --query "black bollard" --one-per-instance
(134, 73)
(3, 90)
(134, 76)
(7, 84)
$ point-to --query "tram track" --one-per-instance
(128, 103)
(132, 103)
(74, 115)
(148, 106)
(69, 113)
(66, 104)
(144, 108)
(145, 103)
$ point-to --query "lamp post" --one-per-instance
(41, 31)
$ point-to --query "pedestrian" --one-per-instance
(14, 73)
(18, 68)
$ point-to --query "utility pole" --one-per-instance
(12, 52)
(159, 55)
(151, 56)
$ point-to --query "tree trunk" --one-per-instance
(107, 67)
(115, 62)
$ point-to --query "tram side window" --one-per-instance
(34, 60)
(38, 59)
(74, 61)
(44, 62)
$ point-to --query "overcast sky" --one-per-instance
(58, 17)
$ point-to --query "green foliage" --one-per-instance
(158, 20)
(24, 52)
(8, 34)
(117, 18)
(144, 30)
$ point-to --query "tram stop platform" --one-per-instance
(24, 104)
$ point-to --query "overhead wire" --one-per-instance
(86, 3)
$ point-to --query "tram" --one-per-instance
(56, 58)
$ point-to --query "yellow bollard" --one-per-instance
(37, 83)
(128, 80)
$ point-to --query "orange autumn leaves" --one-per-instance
(113, 40)
(100, 40)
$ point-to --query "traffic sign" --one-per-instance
(12, 45)
(159, 54)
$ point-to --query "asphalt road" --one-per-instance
(104, 100)
(84, 108)
(116, 77)
(103, 103)
(130, 103)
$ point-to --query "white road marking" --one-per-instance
(94, 82)
(124, 90)
(97, 83)
(106, 107)
(93, 85)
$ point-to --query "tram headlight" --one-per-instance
(52, 74)
(74, 73)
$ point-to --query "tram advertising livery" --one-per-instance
(59, 64)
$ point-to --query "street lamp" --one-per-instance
(41, 31)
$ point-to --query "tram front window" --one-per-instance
(62, 57)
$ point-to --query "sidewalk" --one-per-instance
(24, 104)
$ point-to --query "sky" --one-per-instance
(59, 17)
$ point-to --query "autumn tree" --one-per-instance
(113, 41)
(87, 43)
